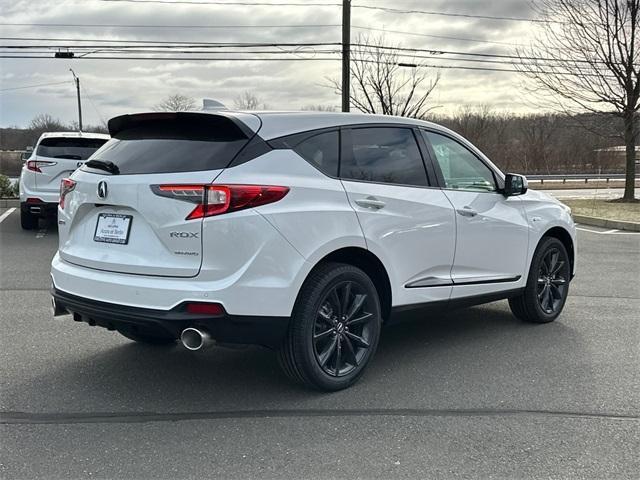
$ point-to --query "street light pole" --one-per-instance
(77, 81)
(346, 53)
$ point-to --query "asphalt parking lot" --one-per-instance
(473, 394)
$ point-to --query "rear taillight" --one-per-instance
(34, 165)
(218, 199)
(66, 185)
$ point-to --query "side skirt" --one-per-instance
(417, 311)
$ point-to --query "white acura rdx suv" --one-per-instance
(302, 232)
(55, 156)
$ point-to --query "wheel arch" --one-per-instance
(565, 237)
(369, 263)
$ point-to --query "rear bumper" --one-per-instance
(42, 209)
(251, 330)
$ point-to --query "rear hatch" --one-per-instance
(128, 210)
(58, 157)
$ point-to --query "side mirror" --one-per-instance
(515, 184)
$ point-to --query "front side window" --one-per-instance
(322, 151)
(384, 155)
(461, 169)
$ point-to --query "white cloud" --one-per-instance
(119, 86)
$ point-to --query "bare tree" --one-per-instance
(46, 123)
(176, 103)
(249, 101)
(318, 108)
(382, 83)
(587, 59)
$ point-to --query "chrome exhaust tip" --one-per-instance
(57, 310)
(194, 339)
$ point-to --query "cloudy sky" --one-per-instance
(112, 87)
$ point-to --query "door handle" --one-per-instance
(467, 212)
(370, 202)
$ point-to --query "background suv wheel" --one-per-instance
(334, 329)
(547, 285)
(28, 221)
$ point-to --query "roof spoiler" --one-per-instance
(162, 120)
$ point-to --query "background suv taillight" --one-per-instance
(66, 185)
(218, 199)
(34, 165)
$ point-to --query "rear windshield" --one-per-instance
(69, 147)
(165, 144)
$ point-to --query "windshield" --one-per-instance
(66, 147)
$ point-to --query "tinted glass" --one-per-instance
(385, 155)
(72, 148)
(174, 145)
(321, 151)
(461, 169)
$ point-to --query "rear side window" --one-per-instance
(69, 147)
(322, 151)
(384, 155)
(164, 143)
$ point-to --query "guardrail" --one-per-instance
(575, 177)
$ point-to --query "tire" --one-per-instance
(147, 339)
(28, 221)
(331, 340)
(547, 285)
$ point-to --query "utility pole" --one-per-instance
(346, 54)
(77, 81)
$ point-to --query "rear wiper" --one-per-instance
(103, 165)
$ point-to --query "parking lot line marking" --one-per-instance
(6, 214)
(607, 232)
(41, 233)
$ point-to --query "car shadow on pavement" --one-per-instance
(435, 359)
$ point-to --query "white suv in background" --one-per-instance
(55, 156)
(303, 232)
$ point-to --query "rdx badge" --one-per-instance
(184, 234)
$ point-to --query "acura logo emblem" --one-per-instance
(102, 189)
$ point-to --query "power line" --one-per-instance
(445, 14)
(163, 42)
(443, 37)
(315, 48)
(32, 86)
(233, 3)
(286, 59)
(486, 55)
(172, 50)
(324, 59)
(364, 7)
(116, 25)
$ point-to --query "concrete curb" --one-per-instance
(606, 223)
(9, 202)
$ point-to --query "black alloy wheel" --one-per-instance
(547, 288)
(342, 331)
(334, 329)
(552, 282)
